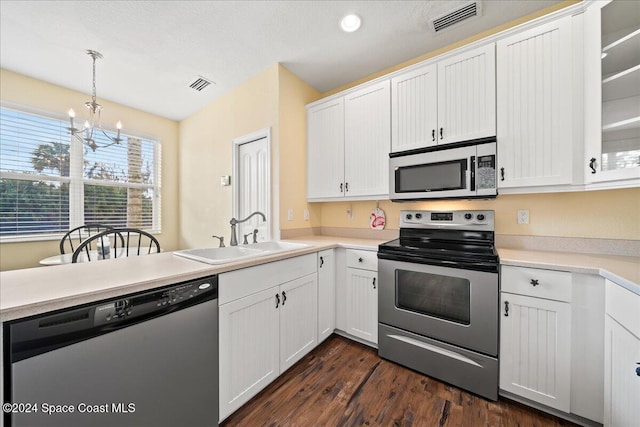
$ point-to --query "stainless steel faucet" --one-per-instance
(234, 222)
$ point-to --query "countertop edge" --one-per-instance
(622, 270)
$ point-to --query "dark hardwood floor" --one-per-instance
(344, 383)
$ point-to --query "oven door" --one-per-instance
(453, 305)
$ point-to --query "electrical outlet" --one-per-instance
(306, 214)
(290, 214)
(523, 216)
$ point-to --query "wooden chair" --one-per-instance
(73, 238)
(123, 242)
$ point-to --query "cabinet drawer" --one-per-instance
(366, 260)
(623, 306)
(536, 282)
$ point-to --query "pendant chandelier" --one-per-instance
(93, 124)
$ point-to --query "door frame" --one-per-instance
(236, 142)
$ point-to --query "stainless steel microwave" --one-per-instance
(461, 170)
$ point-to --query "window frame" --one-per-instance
(77, 181)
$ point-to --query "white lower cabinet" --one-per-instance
(326, 294)
(362, 295)
(267, 322)
(535, 335)
(621, 357)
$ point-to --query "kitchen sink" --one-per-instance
(274, 246)
(237, 253)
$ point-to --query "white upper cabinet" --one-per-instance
(414, 109)
(612, 93)
(367, 136)
(348, 144)
(467, 96)
(325, 149)
(451, 101)
(535, 107)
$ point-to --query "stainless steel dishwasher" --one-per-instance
(145, 359)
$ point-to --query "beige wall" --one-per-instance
(36, 94)
(294, 94)
(610, 214)
(206, 154)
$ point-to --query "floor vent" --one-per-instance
(199, 83)
(467, 11)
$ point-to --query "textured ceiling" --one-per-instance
(154, 49)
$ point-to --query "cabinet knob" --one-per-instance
(506, 308)
(534, 282)
(592, 164)
(360, 260)
(638, 371)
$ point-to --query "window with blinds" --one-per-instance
(50, 182)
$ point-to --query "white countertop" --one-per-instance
(623, 270)
(38, 290)
(32, 291)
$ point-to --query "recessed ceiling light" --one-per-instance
(350, 23)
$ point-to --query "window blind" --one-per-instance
(46, 189)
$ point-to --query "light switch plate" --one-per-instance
(306, 214)
(225, 180)
(290, 214)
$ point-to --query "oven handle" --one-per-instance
(435, 349)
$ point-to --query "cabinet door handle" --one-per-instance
(592, 164)
(440, 133)
(359, 259)
(321, 261)
(433, 134)
(534, 282)
(341, 187)
(277, 300)
(501, 174)
(374, 285)
(284, 298)
(506, 308)
(346, 187)
(638, 369)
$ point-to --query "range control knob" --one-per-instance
(480, 217)
(409, 216)
(468, 216)
(418, 215)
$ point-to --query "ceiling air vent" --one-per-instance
(466, 11)
(199, 83)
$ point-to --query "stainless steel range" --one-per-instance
(439, 297)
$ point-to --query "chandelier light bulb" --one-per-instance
(119, 125)
(72, 113)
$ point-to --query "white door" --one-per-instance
(362, 304)
(326, 294)
(252, 185)
(298, 319)
(367, 141)
(249, 358)
(535, 349)
(467, 96)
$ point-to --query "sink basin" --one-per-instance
(274, 246)
(237, 253)
(220, 255)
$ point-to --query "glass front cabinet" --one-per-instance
(612, 93)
